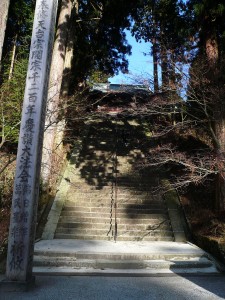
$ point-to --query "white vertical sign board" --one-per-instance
(26, 185)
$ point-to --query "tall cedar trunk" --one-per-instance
(164, 68)
(155, 55)
(55, 82)
(4, 8)
(155, 65)
(220, 180)
(212, 53)
(65, 89)
(164, 60)
(220, 149)
(172, 73)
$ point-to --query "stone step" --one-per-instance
(106, 195)
(106, 198)
(113, 254)
(121, 250)
(138, 210)
(107, 172)
(50, 261)
(98, 215)
(149, 226)
(129, 215)
(108, 176)
(107, 166)
(106, 190)
(96, 190)
(103, 232)
(111, 238)
(80, 181)
(100, 187)
(107, 203)
(95, 219)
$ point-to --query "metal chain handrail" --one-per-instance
(116, 186)
(114, 192)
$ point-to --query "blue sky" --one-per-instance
(139, 64)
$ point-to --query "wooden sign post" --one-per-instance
(26, 185)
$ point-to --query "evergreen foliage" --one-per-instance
(98, 39)
(14, 68)
(11, 100)
(18, 30)
(162, 22)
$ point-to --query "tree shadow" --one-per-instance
(111, 140)
(109, 162)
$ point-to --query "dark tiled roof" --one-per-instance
(124, 88)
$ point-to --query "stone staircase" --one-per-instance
(107, 197)
(79, 237)
(92, 219)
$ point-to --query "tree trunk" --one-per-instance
(164, 59)
(212, 53)
(66, 84)
(66, 73)
(55, 82)
(4, 8)
(13, 58)
(172, 73)
(164, 69)
(155, 65)
(155, 55)
(220, 180)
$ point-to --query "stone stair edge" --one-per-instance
(92, 220)
(106, 225)
(111, 238)
(90, 230)
(66, 271)
(126, 211)
(117, 256)
(122, 264)
(88, 200)
(129, 207)
(149, 216)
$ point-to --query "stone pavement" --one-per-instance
(123, 288)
